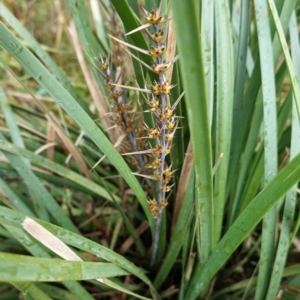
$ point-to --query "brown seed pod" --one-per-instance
(156, 163)
(158, 36)
(115, 94)
(163, 203)
(168, 172)
(170, 136)
(157, 175)
(170, 124)
(154, 17)
(166, 87)
(153, 133)
(157, 51)
(156, 88)
(120, 108)
(104, 66)
(166, 188)
(153, 207)
(156, 151)
(160, 68)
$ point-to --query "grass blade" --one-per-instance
(16, 202)
(285, 48)
(270, 144)
(28, 268)
(44, 199)
(12, 218)
(252, 91)
(58, 169)
(240, 67)
(289, 206)
(224, 106)
(194, 83)
(244, 224)
(36, 249)
(31, 291)
(207, 26)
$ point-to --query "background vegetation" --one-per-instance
(74, 219)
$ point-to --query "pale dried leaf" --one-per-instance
(69, 145)
(182, 184)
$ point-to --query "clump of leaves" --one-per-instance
(97, 176)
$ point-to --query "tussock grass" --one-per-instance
(105, 119)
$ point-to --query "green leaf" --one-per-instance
(284, 45)
(27, 268)
(58, 169)
(43, 199)
(12, 218)
(31, 291)
(244, 224)
(224, 106)
(194, 84)
(38, 250)
(290, 201)
(270, 143)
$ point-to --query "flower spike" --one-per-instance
(153, 143)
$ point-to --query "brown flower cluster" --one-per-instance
(163, 114)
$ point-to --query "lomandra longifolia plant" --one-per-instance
(152, 161)
(195, 199)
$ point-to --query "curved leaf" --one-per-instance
(27, 268)
(244, 224)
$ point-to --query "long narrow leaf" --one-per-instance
(28, 268)
(12, 218)
(58, 169)
(284, 45)
(289, 207)
(244, 224)
(224, 105)
(270, 143)
(194, 84)
(31, 291)
(43, 199)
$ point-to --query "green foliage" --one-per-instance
(79, 208)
